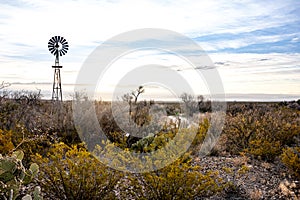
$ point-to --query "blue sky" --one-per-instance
(254, 44)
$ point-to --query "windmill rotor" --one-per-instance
(58, 46)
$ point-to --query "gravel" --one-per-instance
(251, 179)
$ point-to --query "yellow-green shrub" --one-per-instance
(21, 139)
(200, 135)
(291, 158)
(265, 149)
(6, 144)
(180, 180)
(152, 143)
(73, 173)
(262, 131)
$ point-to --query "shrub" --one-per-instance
(180, 180)
(38, 117)
(23, 107)
(195, 104)
(200, 136)
(73, 173)
(265, 149)
(291, 158)
(6, 144)
(21, 139)
(159, 140)
(262, 131)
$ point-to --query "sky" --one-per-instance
(254, 44)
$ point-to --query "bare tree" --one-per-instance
(4, 85)
(137, 93)
(134, 95)
(194, 105)
(128, 98)
(3, 93)
(190, 103)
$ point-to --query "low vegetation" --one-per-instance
(42, 155)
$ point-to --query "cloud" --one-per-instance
(15, 3)
(259, 73)
(279, 39)
(250, 42)
(83, 22)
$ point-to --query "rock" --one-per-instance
(286, 183)
(284, 189)
(293, 185)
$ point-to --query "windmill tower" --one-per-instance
(58, 46)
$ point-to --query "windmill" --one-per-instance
(58, 46)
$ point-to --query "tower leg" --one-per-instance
(57, 91)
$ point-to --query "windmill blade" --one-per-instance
(64, 40)
(62, 53)
(50, 44)
(52, 40)
(51, 48)
(61, 39)
(58, 38)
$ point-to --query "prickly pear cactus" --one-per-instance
(13, 175)
(36, 194)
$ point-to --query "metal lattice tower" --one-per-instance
(58, 46)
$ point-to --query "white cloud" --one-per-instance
(27, 25)
(87, 21)
(259, 73)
